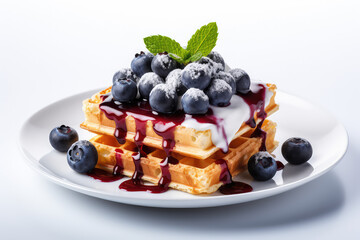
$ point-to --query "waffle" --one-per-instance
(190, 175)
(188, 141)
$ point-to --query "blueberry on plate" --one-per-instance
(228, 78)
(162, 64)
(242, 80)
(163, 99)
(196, 75)
(174, 80)
(141, 64)
(82, 156)
(124, 90)
(123, 74)
(216, 57)
(262, 166)
(219, 93)
(61, 138)
(296, 150)
(147, 82)
(195, 101)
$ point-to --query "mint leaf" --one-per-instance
(177, 58)
(200, 44)
(204, 40)
(158, 44)
(195, 57)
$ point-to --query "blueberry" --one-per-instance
(123, 74)
(213, 66)
(147, 82)
(262, 166)
(242, 80)
(141, 64)
(219, 93)
(195, 101)
(196, 75)
(62, 137)
(82, 156)
(228, 78)
(162, 64)
(296, 150)
(163, 99)
(174, 80)
(124, 90)
(216, 57)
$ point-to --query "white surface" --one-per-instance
(296, 118)
(50, 50)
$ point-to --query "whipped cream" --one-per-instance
(230, 118)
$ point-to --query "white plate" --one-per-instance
(296, 117)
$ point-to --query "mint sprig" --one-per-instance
(200, 44)
(204, 40)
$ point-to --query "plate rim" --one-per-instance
(204, 201)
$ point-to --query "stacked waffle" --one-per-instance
(142, 149)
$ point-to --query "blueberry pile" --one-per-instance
(168, 85)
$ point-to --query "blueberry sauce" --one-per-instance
(280, 165)
(164, 126)
(166, 176)
(256, 102)
(138, 173)
(258, 132)
(230, 187)
(140, 135)
(104, 176)
(133, 186)
(118, 168)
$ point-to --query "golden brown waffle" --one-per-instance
(189, 175)
(189, 142)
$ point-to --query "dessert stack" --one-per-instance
(180, 118)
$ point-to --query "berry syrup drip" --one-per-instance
(230, 187)
(104, 176)
(165, 173)
(118, 168)
(135, 184)
(258, 132)
(140, 135)
(138, 173)
(119, 117)
(163, 125)
(166, 131)
(256, 102)
(280, 165)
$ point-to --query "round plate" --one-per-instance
(296, 117)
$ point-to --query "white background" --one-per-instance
(53, 49)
